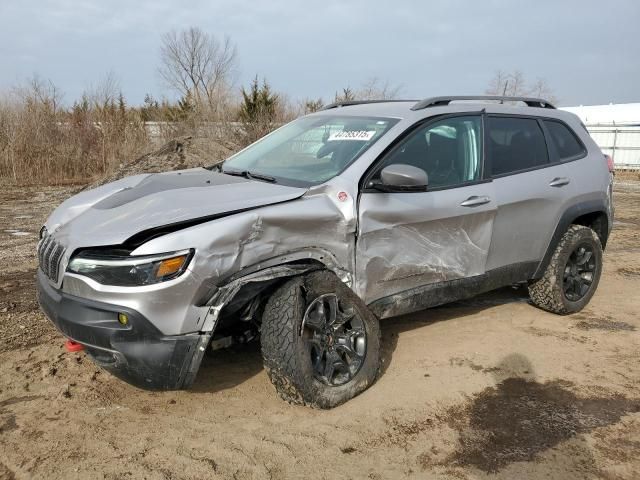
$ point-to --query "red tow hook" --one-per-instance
(72, 346)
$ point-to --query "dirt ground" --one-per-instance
(487, 388)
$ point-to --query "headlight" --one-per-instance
(129, 271)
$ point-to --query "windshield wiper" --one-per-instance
(249, 175)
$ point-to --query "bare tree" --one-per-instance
(541, 89)
(372, 89)
(498, 84)
(105, 92)
(511, 84)
(198, 64)
(517, 85)
(376, 89)
(514, 84)
(41, 92)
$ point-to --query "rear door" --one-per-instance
(531, 192)
(408, 240)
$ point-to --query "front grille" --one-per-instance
(49, 256)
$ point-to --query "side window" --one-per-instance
(449, 150)
(565, 141)
(515, 144)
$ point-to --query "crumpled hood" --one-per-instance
(112, 213)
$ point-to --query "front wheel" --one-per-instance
(572, 276)
(320, 343)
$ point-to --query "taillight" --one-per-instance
(609, 162)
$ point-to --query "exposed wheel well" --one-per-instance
(251, 297)
(596, 221)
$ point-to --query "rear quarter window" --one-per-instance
(564, 140)
(515, 144)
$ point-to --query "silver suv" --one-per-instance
(362, 211)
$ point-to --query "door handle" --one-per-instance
(475, 200)
(559, 182)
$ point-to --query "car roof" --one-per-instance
(417, 109)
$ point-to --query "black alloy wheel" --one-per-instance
(336, 339)
(579, 272)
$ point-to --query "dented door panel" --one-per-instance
(406, 240)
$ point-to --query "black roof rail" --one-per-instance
(440, 101)
(348, 103)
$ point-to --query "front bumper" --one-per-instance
(138, 353)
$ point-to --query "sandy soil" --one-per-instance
(487, 388)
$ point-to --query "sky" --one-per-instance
(588, 51)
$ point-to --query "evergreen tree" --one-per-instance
(258, 104)
(258, 111)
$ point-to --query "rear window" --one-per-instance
(564, 140)
(515, 144)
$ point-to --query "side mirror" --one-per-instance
(402, 178)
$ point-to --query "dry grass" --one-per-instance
(46, 142)
(41, 142)
(633, 175)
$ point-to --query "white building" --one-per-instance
(616, 129)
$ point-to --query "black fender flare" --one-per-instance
(569, 217)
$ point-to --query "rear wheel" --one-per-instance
(320, 343)
(572, 276)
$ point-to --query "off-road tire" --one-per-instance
(286, 356)
(547, 293)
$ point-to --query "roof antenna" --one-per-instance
(504, 91)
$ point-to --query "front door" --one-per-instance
(407, 240)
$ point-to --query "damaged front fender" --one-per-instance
(317, 228)
(225, 294)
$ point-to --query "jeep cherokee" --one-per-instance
(311, 235)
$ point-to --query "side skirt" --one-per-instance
(435, 294)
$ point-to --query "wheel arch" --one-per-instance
(597, 221)
(238, 292)
(592, 214)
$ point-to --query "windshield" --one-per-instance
(310, 150)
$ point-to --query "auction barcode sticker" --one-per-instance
(361, 135)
